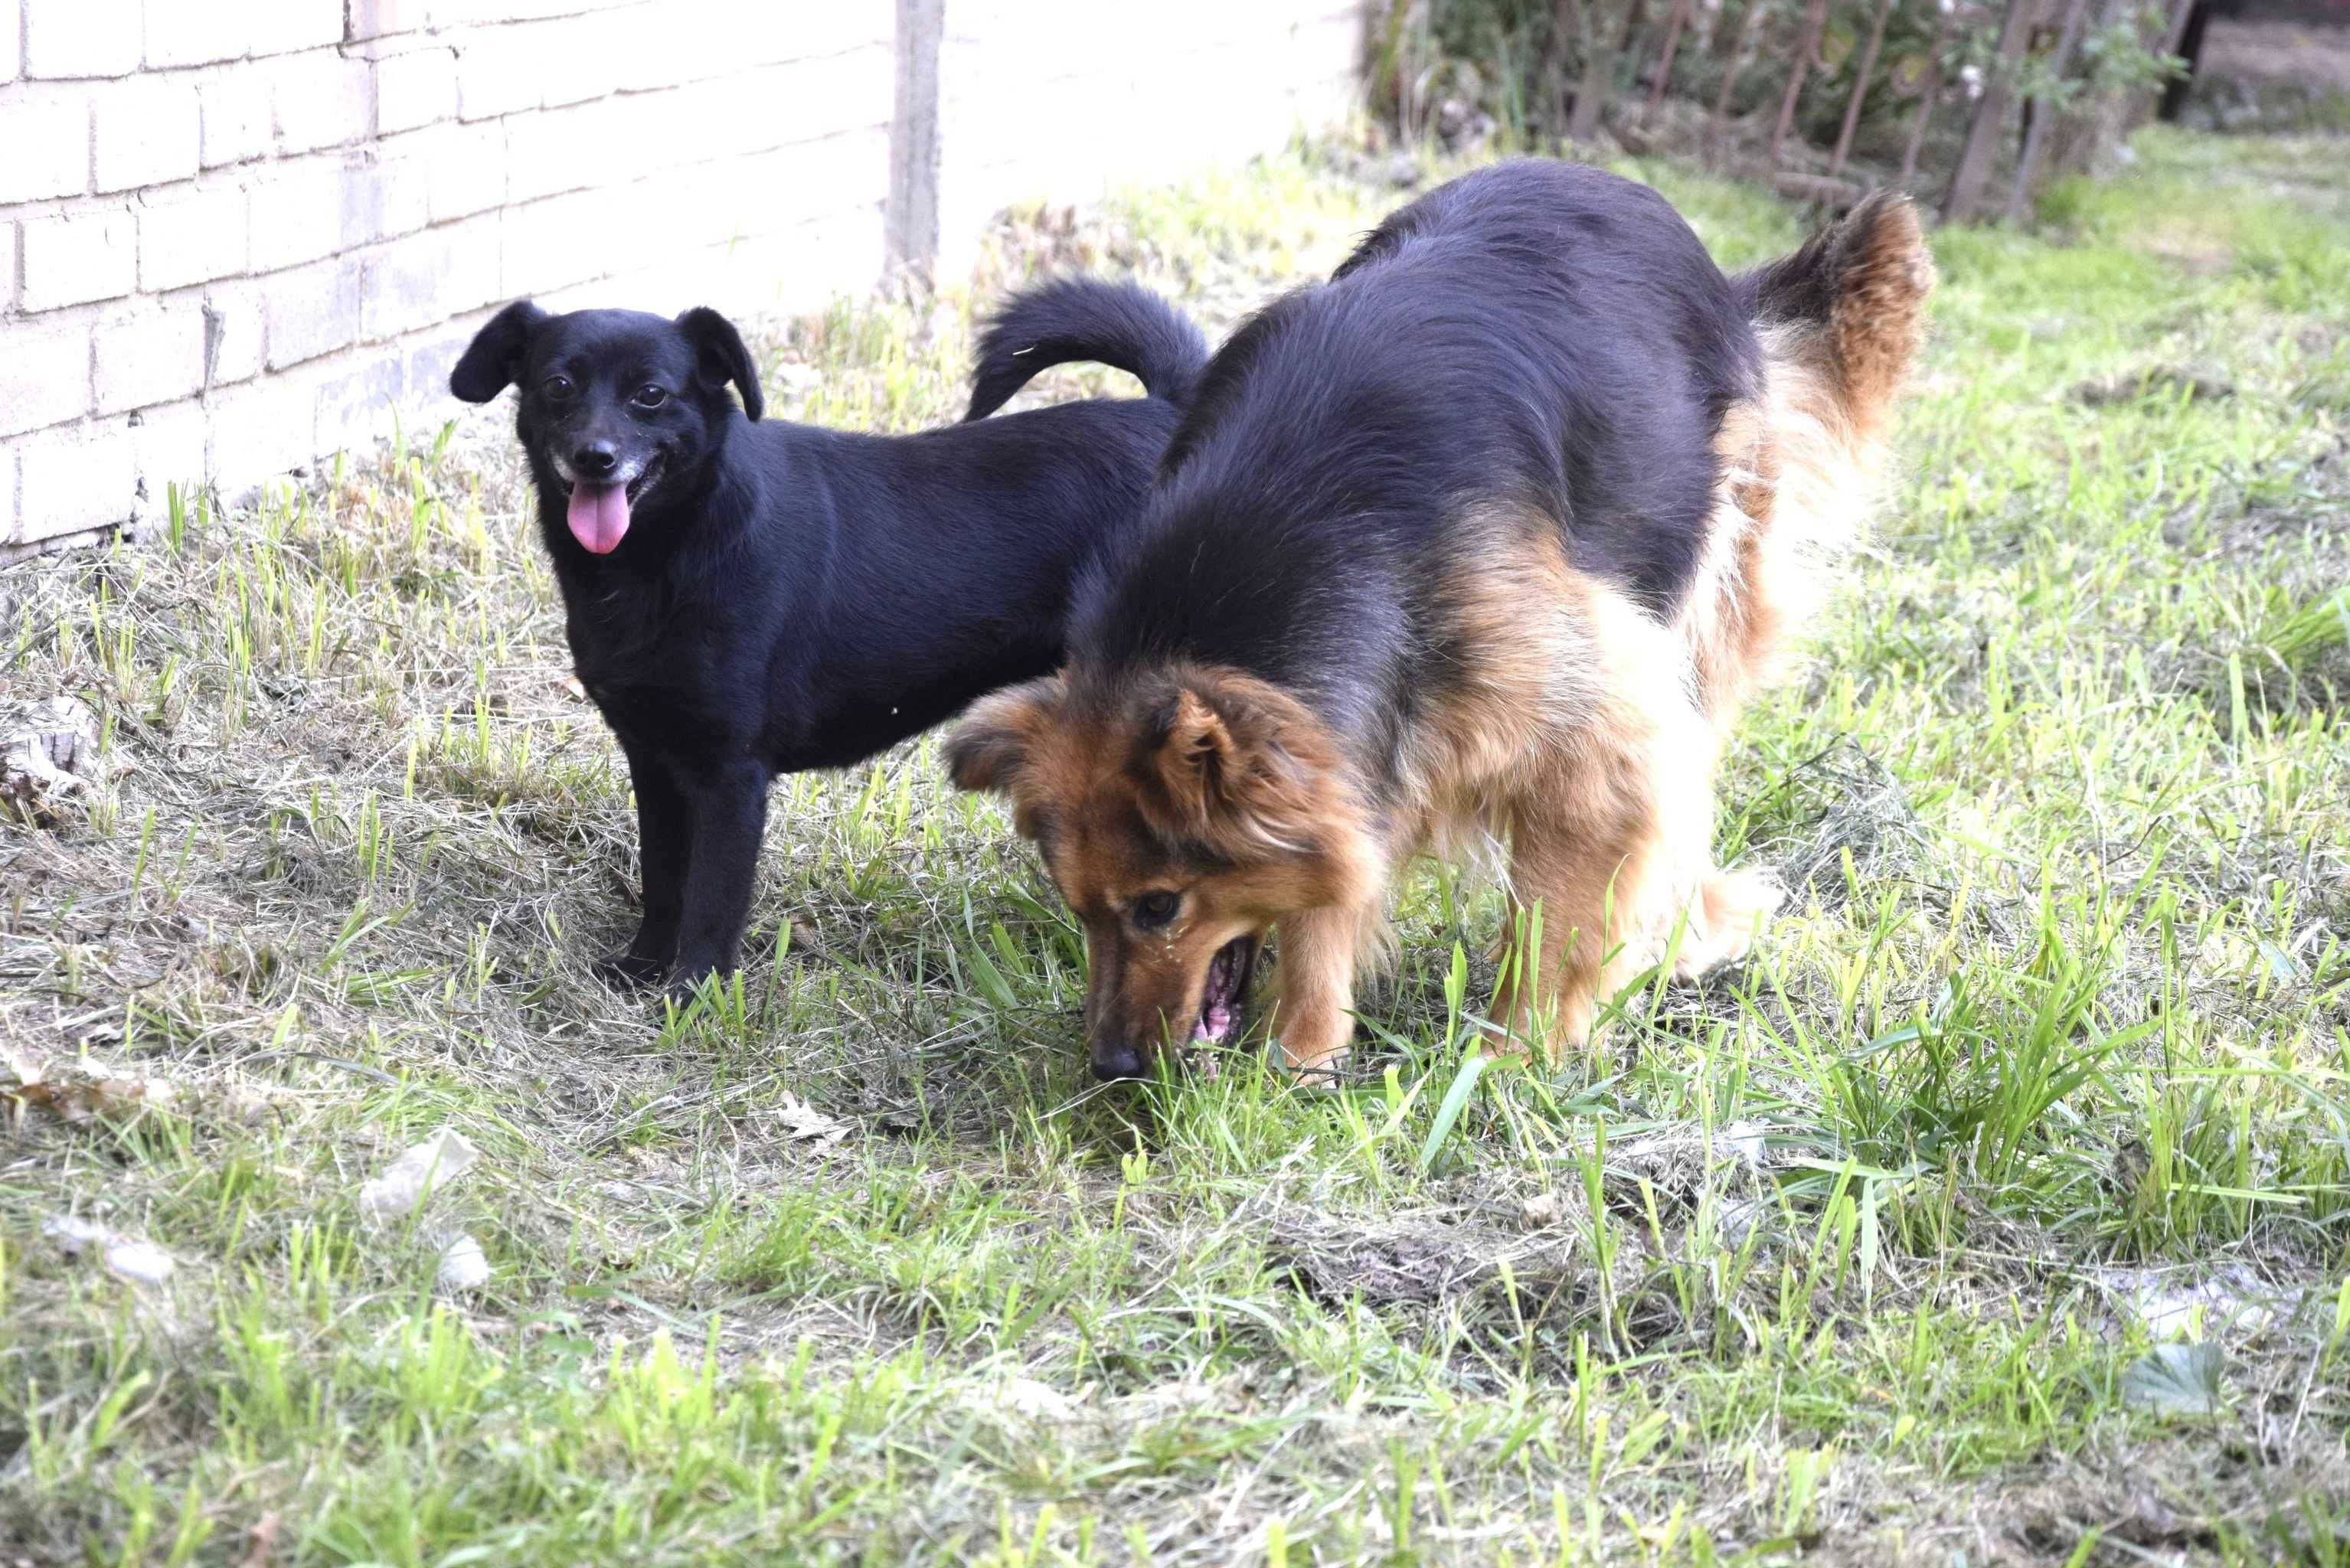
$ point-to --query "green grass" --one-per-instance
(1847, 1258)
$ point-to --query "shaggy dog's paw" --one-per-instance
(1723, 920)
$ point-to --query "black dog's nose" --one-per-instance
(596, 459)
(1113, 1062)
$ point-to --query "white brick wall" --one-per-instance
(234, 235)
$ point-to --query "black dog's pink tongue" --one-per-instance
(599, 516)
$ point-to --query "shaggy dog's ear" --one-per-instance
(493, 361)
(991, 745)
(1228, 761)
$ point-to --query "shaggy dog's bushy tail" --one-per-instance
(1841, 321)
(1069, 320)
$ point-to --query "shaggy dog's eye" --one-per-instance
(558, 388)
(650, 397)
(1153, 910)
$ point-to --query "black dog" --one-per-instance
(744, 599)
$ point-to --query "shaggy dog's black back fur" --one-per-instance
(784, 597)
(1538, 335)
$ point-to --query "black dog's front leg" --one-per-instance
(729, 810)
(664, 840)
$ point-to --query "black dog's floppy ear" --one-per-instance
(493, 361)
(723, 357)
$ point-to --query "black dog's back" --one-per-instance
(968, 541)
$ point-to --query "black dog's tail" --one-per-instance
(1115, 323)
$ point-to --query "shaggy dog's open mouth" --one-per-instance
(1226, 992)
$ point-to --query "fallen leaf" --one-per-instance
(261, 1542)
(1037, 1401)
(804, 1121)
(416, 1175)
(142, 1262)
(125, 1257)
(47, 750)
(2176, 1379)
(74, 1236)
(1743, 1139)
(79, 1090)
(463, 1266)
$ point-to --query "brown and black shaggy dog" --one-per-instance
(1486, 538)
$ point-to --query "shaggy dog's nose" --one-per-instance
(1114, 1062)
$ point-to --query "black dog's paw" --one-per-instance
(692, 980)
(628, 971)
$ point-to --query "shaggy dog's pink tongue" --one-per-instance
(599, 516)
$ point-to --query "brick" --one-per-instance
(264, 429)
(368, 19)
(192, 237)
(571, 239)
(169, 447)
(233, 315)
(7, 492)
(358, 403)
(805, 101)
(429, 277)
(399, 194)
(414, 89)
(502, 70)
(299, 212)
(284, 27)
(581, 58)
(147, 132)
(551, 150)
(47, 133)
(233, 106)
(7, 266)
(320, 100)
(77, 258)
(147, 353)
(48, 374)
(71, 38)
(182, 34)
(12, 62)
(476, 13)
(84, 476)
(312, 310)
(435, 354)
(465, 170)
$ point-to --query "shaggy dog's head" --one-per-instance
(1181, 812)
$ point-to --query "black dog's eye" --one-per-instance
(1153, 910)
(558, 388)
(650, 397)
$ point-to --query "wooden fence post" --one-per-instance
(1673, 24)
(1816, 16)
(1974, 171)
(1929, 91)
(2045, 114)
(1730, 72)
(1598, 74)
(1859, 89)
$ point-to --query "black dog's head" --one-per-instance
(612, 402)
